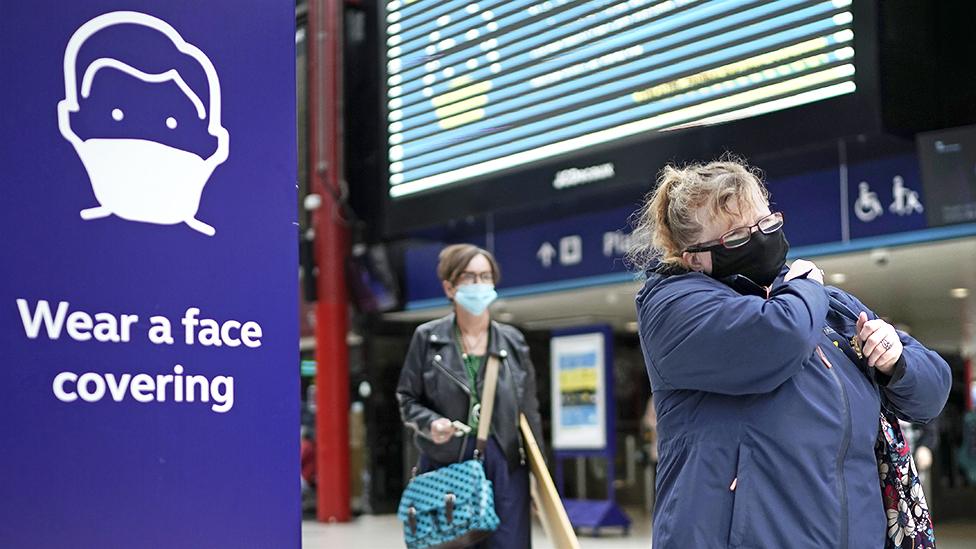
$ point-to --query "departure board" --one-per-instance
(474, 88)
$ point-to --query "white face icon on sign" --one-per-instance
(141, 179)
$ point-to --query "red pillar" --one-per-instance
(331, 245)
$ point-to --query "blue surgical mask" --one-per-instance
(475, 298)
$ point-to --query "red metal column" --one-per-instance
(331, 245)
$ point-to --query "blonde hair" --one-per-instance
(669, 221)
(454, 259)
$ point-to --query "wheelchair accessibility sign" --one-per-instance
(905, 201)
(886, 196)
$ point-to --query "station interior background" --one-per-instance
(911, 286)
(924, 285)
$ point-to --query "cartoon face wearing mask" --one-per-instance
(143, 179)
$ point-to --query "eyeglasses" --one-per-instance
(741, 235)
(468, 277)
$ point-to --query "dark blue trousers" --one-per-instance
(511, 496)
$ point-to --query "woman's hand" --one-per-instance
(441, 430)
(880, 343)
(802, 267)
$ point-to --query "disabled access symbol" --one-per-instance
(867, 206)
(141, 179)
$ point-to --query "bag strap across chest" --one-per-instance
(487, 405)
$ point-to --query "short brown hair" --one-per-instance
(668, 223)
(454, 258)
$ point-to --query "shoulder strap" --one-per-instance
(487, 404)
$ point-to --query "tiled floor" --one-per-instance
(383, 531)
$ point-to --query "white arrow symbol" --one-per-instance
(545, 254)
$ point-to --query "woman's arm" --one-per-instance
(701, 336)
(410, 389)
(918, 386)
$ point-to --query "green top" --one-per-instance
(472, 364)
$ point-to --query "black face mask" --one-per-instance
(760, 260)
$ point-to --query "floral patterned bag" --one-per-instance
(909, 521)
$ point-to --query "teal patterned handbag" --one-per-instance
(454, 506)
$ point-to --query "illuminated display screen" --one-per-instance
(479, 87)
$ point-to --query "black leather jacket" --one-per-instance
(433, 384)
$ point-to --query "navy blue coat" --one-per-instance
(762, 445)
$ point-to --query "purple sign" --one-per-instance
(886, 196)
(148, 300)
(587, 245)
(811, 204)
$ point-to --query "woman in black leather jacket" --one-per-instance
(443, 377)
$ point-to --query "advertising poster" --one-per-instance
(579, 391)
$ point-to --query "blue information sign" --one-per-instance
(884, 197)
(811, 204)
(581, 246)
(147, 303)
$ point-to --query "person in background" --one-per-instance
(442, 380)
(308, 477)
(649, 432)
(923, 440)
(766, 428)
(649, 425)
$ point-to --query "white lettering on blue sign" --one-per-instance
(616, 243)
(91, 387)
(79, 325)
(576, 176)
(111, 328)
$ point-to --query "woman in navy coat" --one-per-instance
(767, 430)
